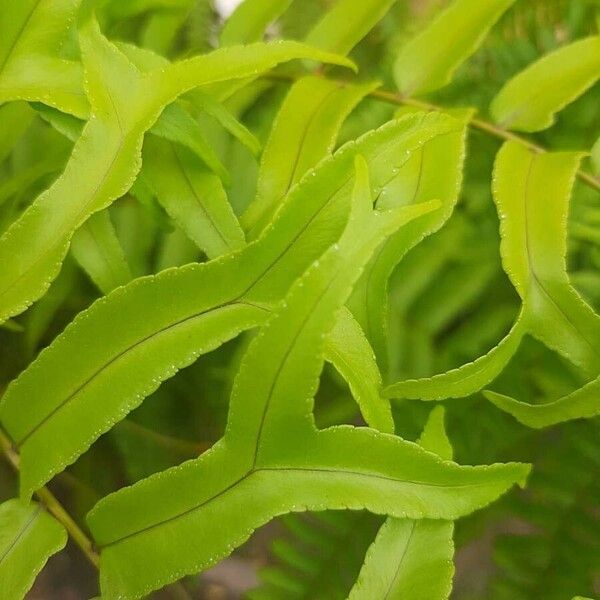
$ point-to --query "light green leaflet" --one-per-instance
(434, 171)
(349, 351)
(28, 537)
(97, 250)
(346, 24)
(196, 99)
(41, 27)
(193, 196)
(176, 125)
(583, 403)
(466, 379)
(412, 560)
(31, 34)
(250, 20)
(428, 61)
(157, 325)
(106, 158)
(303, 133)
(531, 99)
(272, 460)
(531, 192)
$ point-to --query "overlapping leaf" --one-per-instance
(106, 158)
(412, 560)
(432, 172)
(304, 132)
(532, 193)
(272, 459)
(31, 68)
(155, 326)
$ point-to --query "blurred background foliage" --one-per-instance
(450, 303)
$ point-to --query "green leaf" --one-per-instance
(155, 326)
(412, 560)
(176, 125)
(434, 438)
(532, 192)
(349, 351)
(304, 132)
(272, 459)
(28, 537)
(106, 158)
(219, 112)
(409, 560)
(96, 248)
(192, 196)
(433, 171)
(531, 99)
(146, 60)
(250, 20)
(346, 23)
(465, 380)
(583, 403)
(31, 68)
(428, 61)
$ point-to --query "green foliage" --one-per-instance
(530, 101)
(232, 271)
(28, 537)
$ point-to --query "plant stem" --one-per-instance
(54, 507)
(475, 123)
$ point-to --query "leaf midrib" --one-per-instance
(15, 42)
(392, 584)
(288, 469)
(196, 197)
(121, 354)
(531, 263)
(60, 238)
(27, 526)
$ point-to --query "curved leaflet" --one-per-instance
(272, 458)
(412, 560)
(304, 132)
(583, 403)
(349, 351)
(172, 318)
(531, 99)
(106, 158)
(465, 380)
(428, 61)
(434, 171)
(31, 68)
